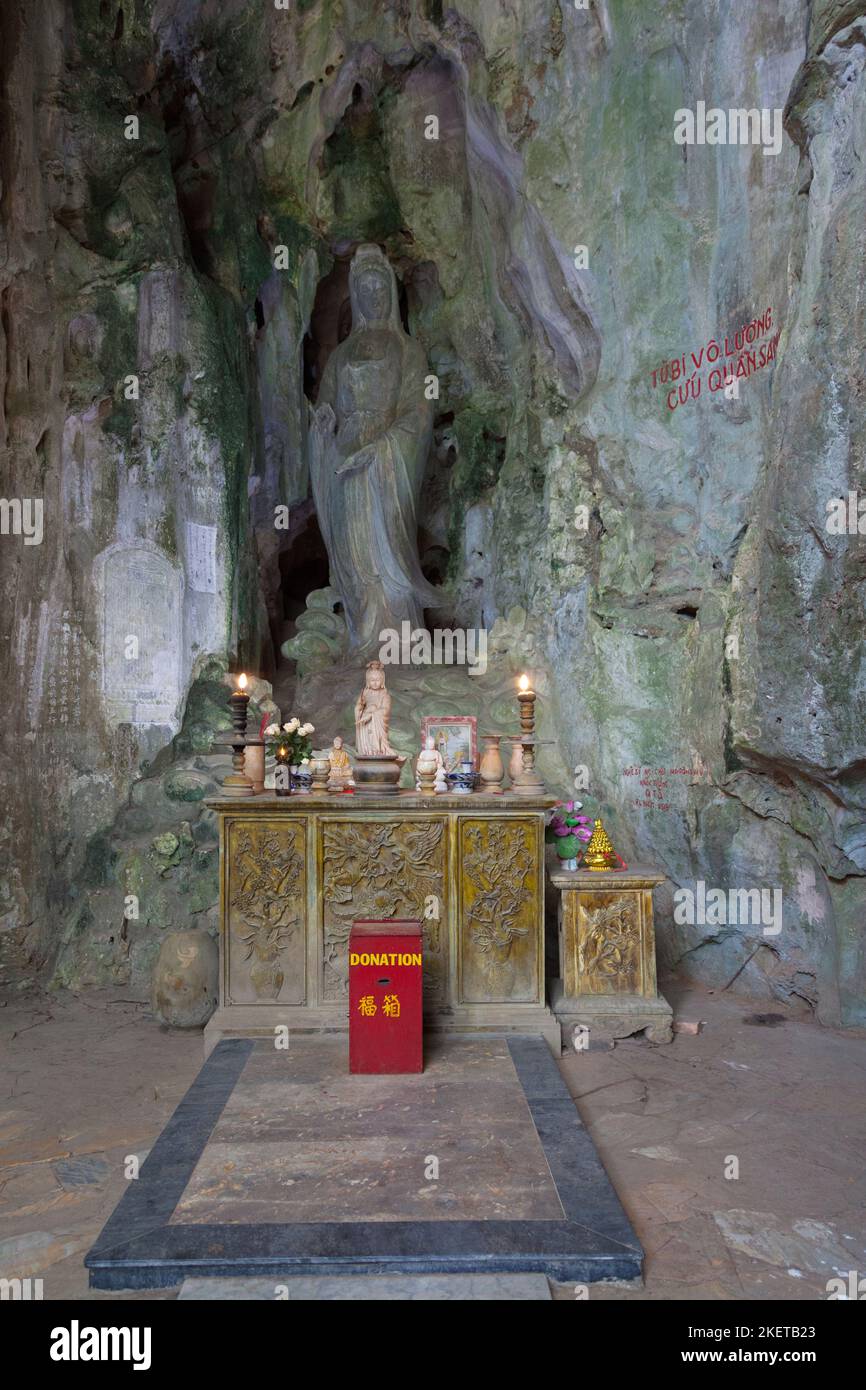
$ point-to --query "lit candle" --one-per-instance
(238, 702)
(526, 701)
(238, 783)
(241, 693)
(282, 780)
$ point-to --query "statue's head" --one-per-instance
(338, 742)
(372, 286)
(374, 295)
(375, 675)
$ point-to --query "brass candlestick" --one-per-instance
(237, 783)
(528, 783)
(526, 699)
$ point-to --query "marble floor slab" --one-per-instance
(300, 1139)
(279, 1165)
(102, 1083)
(377, 1288)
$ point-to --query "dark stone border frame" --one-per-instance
(139, 1249)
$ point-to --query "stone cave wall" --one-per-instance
(704, 618)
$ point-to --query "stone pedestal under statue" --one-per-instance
(607, 956)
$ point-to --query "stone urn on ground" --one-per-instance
(185, 982)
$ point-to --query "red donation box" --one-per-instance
(385, 1015)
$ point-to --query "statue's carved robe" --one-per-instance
(374, 383)
(372, 715)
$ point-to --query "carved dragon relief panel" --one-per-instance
(500, 910)
(385, 870)
(266, 910)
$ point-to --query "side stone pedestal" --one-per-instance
(607, 957)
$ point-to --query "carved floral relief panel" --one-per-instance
(501, 913)
(608, 943)
(385, 870)
(266, 912)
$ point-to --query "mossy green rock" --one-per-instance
(185, 784)
(166, 845)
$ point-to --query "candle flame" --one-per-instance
(523, 682)
(242, 681)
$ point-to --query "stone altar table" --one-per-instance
(296, 871)
(607, 955)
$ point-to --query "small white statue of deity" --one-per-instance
(430, 768)
(373, 715)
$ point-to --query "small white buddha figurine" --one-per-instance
(431, 760)
(341, 766)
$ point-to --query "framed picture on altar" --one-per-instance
(455, 736)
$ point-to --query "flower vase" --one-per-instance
(321, 770)
(515, 766)
(266, 975)
(254, 766)
(426, 768)
(492, 771)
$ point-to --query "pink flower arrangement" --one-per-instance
(567, 830)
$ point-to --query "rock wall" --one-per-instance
(574, 275)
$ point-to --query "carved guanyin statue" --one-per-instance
(373, 716)
(369, 443)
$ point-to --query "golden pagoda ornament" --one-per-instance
(599, 853)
